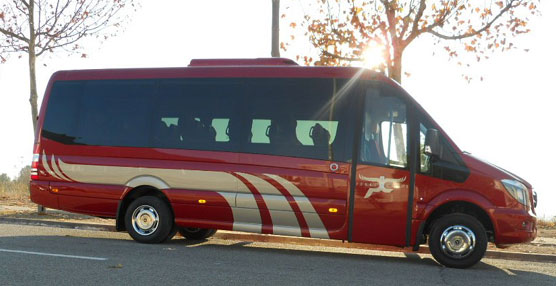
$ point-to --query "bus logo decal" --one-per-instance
(382, 184)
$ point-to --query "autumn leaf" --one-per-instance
(469, 48)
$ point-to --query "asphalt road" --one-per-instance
(31, 255)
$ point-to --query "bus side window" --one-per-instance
(203, 113)
(297, 118)
(384, 134)
(448, 165)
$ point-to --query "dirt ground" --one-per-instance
(25, 209)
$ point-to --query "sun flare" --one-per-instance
(373, 56)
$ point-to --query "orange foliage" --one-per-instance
(344, 30)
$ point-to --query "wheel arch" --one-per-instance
(461, 206)
(132, 194)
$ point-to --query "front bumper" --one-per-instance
(514, 226)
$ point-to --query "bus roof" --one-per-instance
(224, 68)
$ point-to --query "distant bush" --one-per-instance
(18, 187)
(546, 223)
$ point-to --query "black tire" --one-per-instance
(455, 232)
(149, 208)
(196, 233)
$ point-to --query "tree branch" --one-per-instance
(25, 3)
(391, 17)
(474, 32)
(14, 35)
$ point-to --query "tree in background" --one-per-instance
(37, 27)
(24, 175)
(4, 178)
(347, 31)
(18, 187)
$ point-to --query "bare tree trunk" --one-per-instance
(32, 57)
(395, 69)
(275, 28)
(33, 97)
(33, 87)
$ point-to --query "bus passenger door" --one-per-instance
(382, 174)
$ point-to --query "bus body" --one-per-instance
(267, 146)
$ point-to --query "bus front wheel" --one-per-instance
(458, 240)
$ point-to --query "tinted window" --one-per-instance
(197, 114)
(448, 165)
(296, 117)
(63, 108)
(173, 113)
(115, 113)
(288, 117)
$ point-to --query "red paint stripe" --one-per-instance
(263, 209)
(293, 204)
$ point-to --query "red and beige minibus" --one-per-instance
(267, 146)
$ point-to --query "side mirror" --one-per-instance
(432, 143)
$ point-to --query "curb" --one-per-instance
(231, 235)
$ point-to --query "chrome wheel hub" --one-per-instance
(457, 241)
(145, 220)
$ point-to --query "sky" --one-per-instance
(506, 119)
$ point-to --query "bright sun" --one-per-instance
(373, 56)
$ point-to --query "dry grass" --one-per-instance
(14, 190)
(546, 223)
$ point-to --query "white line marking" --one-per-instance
(53, 254)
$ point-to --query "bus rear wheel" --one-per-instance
(196, 233)
(148, 219)
(458, 240)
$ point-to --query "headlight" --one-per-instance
(517, 190)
